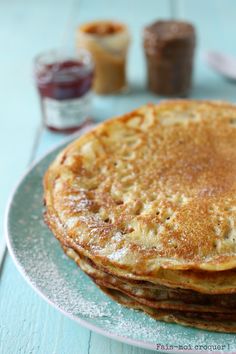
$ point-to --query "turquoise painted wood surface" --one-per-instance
(27, 323)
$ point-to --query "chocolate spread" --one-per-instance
(169, 48)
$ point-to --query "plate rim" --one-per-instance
(84, 323)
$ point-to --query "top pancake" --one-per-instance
(152, 189)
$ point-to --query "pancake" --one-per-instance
(213, 283)
(145, 204)
(159, 297)
(152, 189)
(217, 323)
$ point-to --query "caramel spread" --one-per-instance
(102, 28)
(108, 43)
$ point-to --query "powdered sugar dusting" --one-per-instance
(60, 280)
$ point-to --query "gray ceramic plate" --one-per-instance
(58, 280)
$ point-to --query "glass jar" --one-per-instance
(169, 49)
(64, 82)
(108, 43)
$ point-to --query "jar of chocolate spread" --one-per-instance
(169, 49)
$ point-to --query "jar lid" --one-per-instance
(164, 31)
(111, 35)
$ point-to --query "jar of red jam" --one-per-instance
(64, 83)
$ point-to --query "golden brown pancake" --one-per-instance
(152, 189)
(159, 297)
(149, 200)
(215, 322)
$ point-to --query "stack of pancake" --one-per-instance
(146, 206)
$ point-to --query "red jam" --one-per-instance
(65, 89)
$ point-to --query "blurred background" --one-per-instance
(29, 27)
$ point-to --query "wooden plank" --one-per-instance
(215, 25)
(27, 323)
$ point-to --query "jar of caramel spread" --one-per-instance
(169, 49)
(108, 43)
